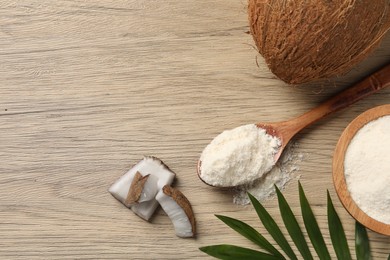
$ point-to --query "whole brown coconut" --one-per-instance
(308, 40)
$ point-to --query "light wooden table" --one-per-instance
(89, 87)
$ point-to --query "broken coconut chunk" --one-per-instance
(179, 210)
(158, 173)
(142, 188)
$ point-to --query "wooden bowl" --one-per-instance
(338, 169)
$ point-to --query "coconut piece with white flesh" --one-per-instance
(179, 210)
(159, 176)
(142, 188)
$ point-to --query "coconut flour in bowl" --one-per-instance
(367, 169)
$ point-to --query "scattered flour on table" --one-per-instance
(285, 170)
(238, 156)
(367, 169)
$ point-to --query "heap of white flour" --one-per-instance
(285, 170)
(367, 169)
(238, 156)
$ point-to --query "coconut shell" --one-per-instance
(303, 41)
(136, 187)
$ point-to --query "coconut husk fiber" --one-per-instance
(308, 40)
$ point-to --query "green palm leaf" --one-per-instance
(272, 228)
(312, 228)
(230, 252)
(337, 233)
(292, 226)
(362, 244)
(251, 234)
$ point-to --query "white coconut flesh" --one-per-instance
(149, 190)
(146, 197)
(180, 220)
(145, 209)
(159, 174)
(142, 188)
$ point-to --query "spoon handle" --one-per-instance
(371, 84)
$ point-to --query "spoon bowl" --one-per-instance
(282, 130)
(339, 174)
(286, 130)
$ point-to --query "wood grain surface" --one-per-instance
(89, 87)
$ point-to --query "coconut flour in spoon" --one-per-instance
(367, 169)
(245, 157)
(238, 156)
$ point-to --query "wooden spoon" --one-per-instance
(338, 169)
(285, 130)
